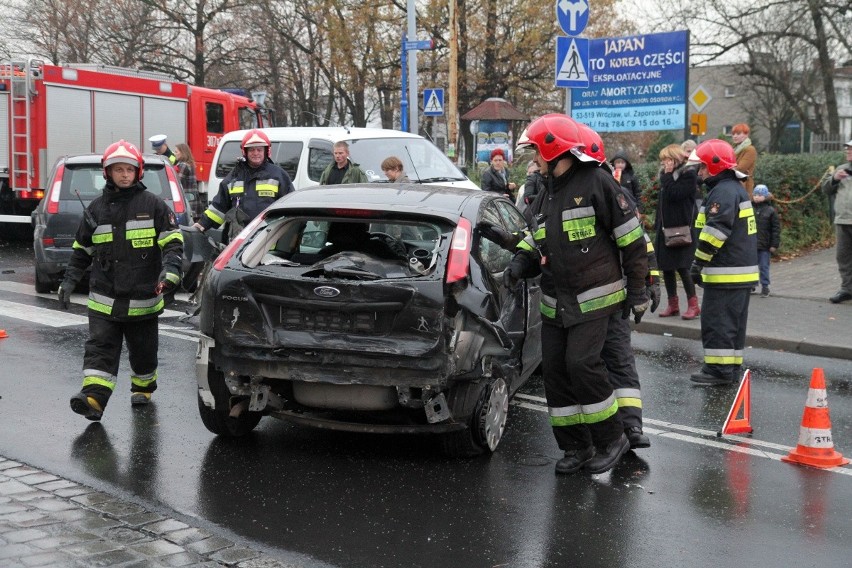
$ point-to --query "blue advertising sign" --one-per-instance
(635, 83)
(573, 15)
(572, 62)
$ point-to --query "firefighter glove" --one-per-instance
(498, 235)
(653, 289)
(64, 294)
(637, 302)
(695, 273)
(514, 271)
(168, 282)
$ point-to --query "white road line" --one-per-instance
(743, 446)
(43, 316)
(79, 299)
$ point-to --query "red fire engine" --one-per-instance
(47, 111)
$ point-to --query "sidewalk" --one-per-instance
(797, 317)
(49, 521)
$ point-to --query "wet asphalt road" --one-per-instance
(349, 500)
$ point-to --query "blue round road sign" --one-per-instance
(573, 15)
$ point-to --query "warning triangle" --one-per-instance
(742, 402)
(433, 104)
(572, 68)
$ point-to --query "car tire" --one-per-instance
(43, 284)
(218, 420)
(486, 425)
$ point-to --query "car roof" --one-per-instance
(444, 201)
(330, 133)
(86, 159)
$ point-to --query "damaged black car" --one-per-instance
(370, 308)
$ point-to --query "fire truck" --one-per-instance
(48, 111)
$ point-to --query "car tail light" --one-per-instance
(232, 247)
(354, 213)
(48, 242)
(53, 197)
(458, 264)
(177, 198)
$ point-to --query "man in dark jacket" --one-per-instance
(725, 263)
(589, 248)
(254, 184)
(342, 170)
(130, 238)
(623, 172)
(768, 233)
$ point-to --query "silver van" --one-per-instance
(304, 152)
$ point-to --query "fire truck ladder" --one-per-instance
(22, 90)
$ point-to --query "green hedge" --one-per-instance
(791, 179)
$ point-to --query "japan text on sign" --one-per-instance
(573, 15)
(635, 83)
(433, 102)
(572, 62)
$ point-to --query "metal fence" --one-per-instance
(822, 143)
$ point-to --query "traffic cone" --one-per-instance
(734, 425)
(815, 446)
(3, 334)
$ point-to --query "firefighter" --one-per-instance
(725, 263)
(589, 248)
(252, 186)
(158, 144)
(131, 239)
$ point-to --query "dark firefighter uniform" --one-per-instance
(244, 193)
(727, 257)
(134, 240)
(589, 248)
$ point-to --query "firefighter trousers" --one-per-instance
(582, 407)
(620, 364)
(103, 355)
(724, 315)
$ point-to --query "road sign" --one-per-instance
(699, 98)
(418, 44)
(572, 62)
(433, 102)
(573, 15)
(698, 124)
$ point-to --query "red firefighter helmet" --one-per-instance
(716, 154)
(255, 138)
(555, 134)
(123, 152)
(523, 142)
(594, 146)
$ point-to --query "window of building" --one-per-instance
(730, 92)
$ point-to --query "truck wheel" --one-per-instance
(218, 420)
(486, 425)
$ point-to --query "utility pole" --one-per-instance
(413, 125)
(452, 88)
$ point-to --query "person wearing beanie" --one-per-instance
(768, 233)
(496, 178)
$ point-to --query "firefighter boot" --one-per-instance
(637, 438)
(693, 311)
(87, 405)
(672, 309)
(606, 458)
(574, 460)
(140, 398)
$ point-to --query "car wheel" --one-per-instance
(486, 426)
(43, 284)
(218, 420)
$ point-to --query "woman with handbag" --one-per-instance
(676, 237)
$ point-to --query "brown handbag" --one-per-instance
(674, 237)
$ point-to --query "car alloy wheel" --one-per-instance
(494, 413)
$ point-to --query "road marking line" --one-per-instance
(79, 299)
(719, 444)
(43, 316)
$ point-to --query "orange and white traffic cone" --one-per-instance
(3, 334)
(816, 447)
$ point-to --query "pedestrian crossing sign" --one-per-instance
(572, 62)
(433, 102)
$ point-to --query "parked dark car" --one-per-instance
(369, 308)
(58, 215)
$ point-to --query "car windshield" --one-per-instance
(360, 248)
(421, 160)
(88, 180)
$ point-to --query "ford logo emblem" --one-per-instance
(326, 291)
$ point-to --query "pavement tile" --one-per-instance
(20, 471)
(112, 558)
(58, 484)
(63, 540)
(15, 551)
(11, 508)
(232, 556)
(12, 487)
(73, 491)
(126, 535)
(209, 545)
(180, 559)
(96, 522)
(160, 547)
(165, 526)
(118, 508)
(71, 515)
(267, 562)
(8, 464)
(93, 498)
(54, 505)
(46, 559)
(32, 495)
(22, 518)
(141, 519)
(37, 478)
(91, 547)
(24, 535)
(185, 536)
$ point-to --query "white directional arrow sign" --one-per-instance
(573, 15)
